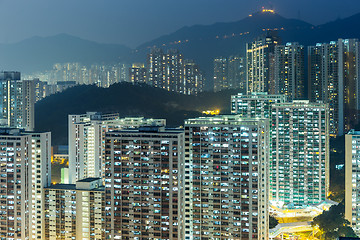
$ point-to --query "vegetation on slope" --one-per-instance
(51, 113)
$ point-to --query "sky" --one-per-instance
(132, 22)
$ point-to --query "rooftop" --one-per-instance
(88, 180)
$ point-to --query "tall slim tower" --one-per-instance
(352, 181)
(156, 67)
(17, 101)
(300, 153)
(236, 73)
(259, 56)
(333, 79)
(289, 70)
(220, 74)
(193, 78)
(226, 178)
(28, 103)
(174, 67)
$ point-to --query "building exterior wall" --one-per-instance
(143, 184)
(226, 178)
(352, 179)
(300, 153)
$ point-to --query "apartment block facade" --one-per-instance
(226, 178)
(143, 183)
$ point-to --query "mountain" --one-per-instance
(199, 42)
(205, 42)
(40, 53)
(51, 113)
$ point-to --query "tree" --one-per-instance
(333, 224)
(272, 222)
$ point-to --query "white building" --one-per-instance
(17, 100)
(26, 169)
(87, 141)
(352, 179)
(255, 105)
(75, 211)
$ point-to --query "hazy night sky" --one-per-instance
(132, 22)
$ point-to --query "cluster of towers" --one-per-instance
(169, 71)
(134, 178)
(330, 75)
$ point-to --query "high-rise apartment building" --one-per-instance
(156, 60)
(137, 73)
(237, 73)
(289, 70)
(259, 61)
(17, 100)
(41, 89)
(255, 105)
(333, 73)
(193, 78)
(143, 183)
(87, 141)
(226, 178)
(229, 73)
(165, 69)
(26, 170)
(171, 72)
(300, 153)
(352, 179)
(174, 67)
(28, 104)
(75, 211)
(220, 74)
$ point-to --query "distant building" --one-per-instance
(229, 73)
(300, 154)
(17, 100)
(156, 61)
(193, 78)
(333, 76)
(220, 74)
(74, 211)
(259, 60)
(41, 90)
(137, 73)
(63, 85)
(226, 175)
(87, 141)
(289, 71)
(237, 73)
(143, 183)
(352, 179)
(171, 72)
(28, 104)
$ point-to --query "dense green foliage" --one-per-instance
(51, 113)
(333, 224)
(272, 222)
